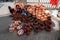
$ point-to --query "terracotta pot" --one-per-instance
(19, 27)
(48, 22)
(36, 29)
(32, 26)
(11, 29)
(27, 27)
(20, 32)
(35, 22)
(22, 5)
(41, 27)
(31, 19)
(28, 33)
(48, 28)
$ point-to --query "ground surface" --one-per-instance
(5, 35)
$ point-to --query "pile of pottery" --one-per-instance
(34, 18)
(39, 11)
(16, 25)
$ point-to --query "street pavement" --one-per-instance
(4, 8)
(5, 35)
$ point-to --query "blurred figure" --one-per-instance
(11, 10)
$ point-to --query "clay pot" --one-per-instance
(48, 28)
(22, 5)
(19, 21)
(27, 19)
(48, 22)
(16, 23)
(43, 19)
(20, 32)
(29, 15)
(41, 27)
(19, 27)
(28, 27)
(38, 16)
(11, 29)
(11, 25)
(17, 7)
(42, 7)
(30, 10)
(24, 19)
(28, 33)
(31, 19)
(35, 22)
(36, 29)
(31, 26)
